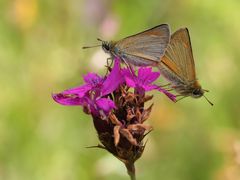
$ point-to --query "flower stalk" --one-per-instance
(131, 170)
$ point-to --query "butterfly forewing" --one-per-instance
(149, 45)
(178, 58)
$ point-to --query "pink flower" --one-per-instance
(92, 94)
(143, 82)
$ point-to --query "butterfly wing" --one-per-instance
(178, 64)
(145, 47)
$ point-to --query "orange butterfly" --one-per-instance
(177, 66)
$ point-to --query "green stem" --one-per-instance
(131, 170)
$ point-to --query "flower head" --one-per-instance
(118, 113)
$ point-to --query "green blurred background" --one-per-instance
(40, 53)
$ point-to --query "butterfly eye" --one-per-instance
(106, 46)
(197, 93)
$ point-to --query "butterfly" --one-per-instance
(142, 49)
(177, 66)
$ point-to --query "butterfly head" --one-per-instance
(106, 46)
(197, 92)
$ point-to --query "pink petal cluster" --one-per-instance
(95, 94)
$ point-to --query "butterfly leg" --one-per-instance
(108, 66)
(129, 67)
(166, 85)
(111, 62)
(168, 89)
(181, 97)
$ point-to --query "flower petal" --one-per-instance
(152, 77)
(67, 100)
(114, 79)
(105, 104)
(168, 94)
(146, 75)
(130, 82)
(93, 79)
(143, 71)
(130, 78)
(149, 87)
(80, 90)
(143, 74)
(126, 72)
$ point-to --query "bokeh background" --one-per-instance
(40, 53)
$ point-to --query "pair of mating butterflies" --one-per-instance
(171, 54)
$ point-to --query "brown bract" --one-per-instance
(122, 131)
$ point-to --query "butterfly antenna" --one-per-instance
(86, 47)
(205, 90)
(99, 39)
(208, 100)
